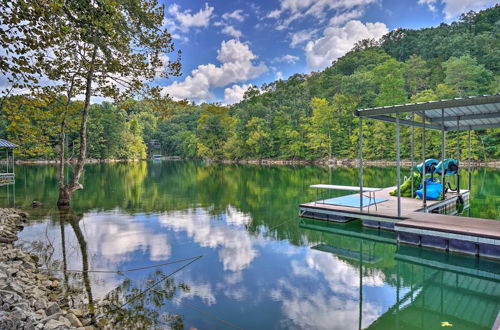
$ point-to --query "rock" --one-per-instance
(29, 326)
(52, 309)
(14, 287)
(53, 285)
(7, 239)
(76, 311)
(19, 314)
(74, 320)
(65, 321)
(54, 324)
(54, 316)
(35, 258)
(12, 271)
(29, 265)
(40, 304)
(41, 314)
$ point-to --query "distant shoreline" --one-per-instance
(268, 162)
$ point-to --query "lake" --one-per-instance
(212, 246)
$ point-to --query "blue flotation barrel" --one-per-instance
(450, 167)
(430, 166)
(433, 190)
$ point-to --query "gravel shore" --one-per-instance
(29, 299)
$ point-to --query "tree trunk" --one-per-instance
(64, 196)
(62, 156)
(66, 190)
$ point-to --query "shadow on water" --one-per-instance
(262, 266)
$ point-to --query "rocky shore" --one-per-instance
(29, 299)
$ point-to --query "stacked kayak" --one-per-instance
(434, 188)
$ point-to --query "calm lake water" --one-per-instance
(260, 266)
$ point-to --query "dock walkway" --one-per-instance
(427, 227)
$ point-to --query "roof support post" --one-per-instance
(458, 155)
(443, 156)
(360, 124)
(398, 164)
(424, 188)
(468, 167)
(412, 156)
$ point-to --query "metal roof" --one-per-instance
(7, 144)
(475, 112)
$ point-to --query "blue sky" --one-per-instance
(229, 45)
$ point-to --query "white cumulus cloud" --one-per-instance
(185, 20)
(231, 31)
(345, 17)
(236, 15)
(336, 41)
(301, 36)
(237, 65)
(290, 59)
(296, 9)
(234, 94)
(453, 8)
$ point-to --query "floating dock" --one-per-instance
(435, 226)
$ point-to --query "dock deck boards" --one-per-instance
(387, 208)
(454, 224)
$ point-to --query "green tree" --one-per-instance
(416, 74)
(389, 76)
(258, 137)
(467, 77)
(214, 130)
(321, 128)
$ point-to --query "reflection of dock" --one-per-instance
(431, 287)
(347, 254)
(457, 290)
(464, 302)
(350, 231)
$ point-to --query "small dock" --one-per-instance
(435, 226)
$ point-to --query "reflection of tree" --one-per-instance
(129, 306)
(132, 306)
(67, 216)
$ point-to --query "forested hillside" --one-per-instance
(308, 116)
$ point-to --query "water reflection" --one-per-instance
(261, 266)
(224, 232)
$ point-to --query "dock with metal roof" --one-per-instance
(423, 222)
